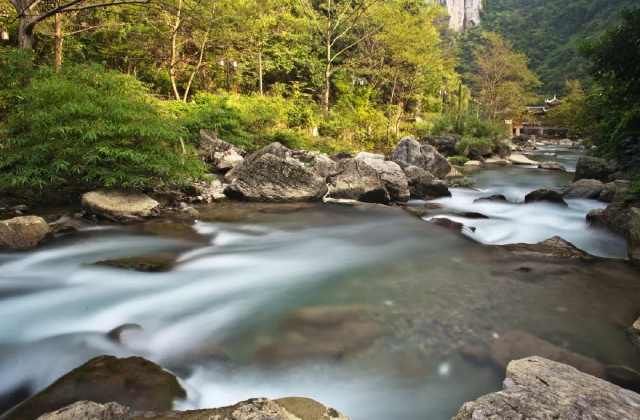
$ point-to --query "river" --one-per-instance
(366, 309)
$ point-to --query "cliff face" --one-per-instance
(464, 13)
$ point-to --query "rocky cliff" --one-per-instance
(464, 13)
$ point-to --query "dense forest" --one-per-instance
(550, 32)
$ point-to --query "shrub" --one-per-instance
(458, 160)
(16, 69)
(85, 128)
(469, 146)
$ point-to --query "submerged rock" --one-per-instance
(584, 188)
(322, 332)
(537, 388)
(423, 185)
(544, 194)
(120, 206)
(293, 408)
(133, 382)
(154, 263)
(555, 247)
(410, 152)
(495, 197)
(552, 166)
(273, 174)
(22, 233)
(589, 167)
(447, 224)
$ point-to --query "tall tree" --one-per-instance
(31, 12)
(501, 79)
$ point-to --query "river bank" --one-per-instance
(360, 306)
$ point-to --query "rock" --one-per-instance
(392, 176)
(546, 195)
(367, 155)
(589, 167)
(272, 174)
(89, 410)
(120, 206)
(472, 164)
(537, 388)
(552, 166)
(454, 173)
(24, 232)
(321, 332)
(207, 191)
(134, 382)
(446, 145)
(520, 159)
(497, 161)
(293, 408)
(615, 191)
(447, 224)
(495, 197)
(513, 345)
(423, 185)
(358, 180)
(584, 188)
(464, 182)
(322, 164)
(410, 152)
(220, 155)
(554, 247)
(66, 224)
(154, 263)
(622, 218)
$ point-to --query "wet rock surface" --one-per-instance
(546, 195)
(22, 233)
(423, 185)
(357, 180)
(411, 152)
(538, 388)
(555, 247)
(133, 382)
(585, 188)
(589, 167)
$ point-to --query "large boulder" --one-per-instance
(392, 176)
(446, 145)
(273, 174)
(624, 219)
(584, 188)
(360, 179)
(589, 167)
(615, 191)
(545, 195)
(423, 185)
(134, 382)
(119, 206)
(292, 408)
(537, 388)
(23, 232)
(410, 152)
(220, 155)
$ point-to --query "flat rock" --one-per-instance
(520, 159)
(552, 166)
(24, 232)
(554, 247)
(537, 388)
(497, 161)
(119, 206)
(133, 382)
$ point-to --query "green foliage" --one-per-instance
(468, 125)
(474, 145)
(16, 69)
(87, 128)
(571, 112)
(458, 160)
(549, 32)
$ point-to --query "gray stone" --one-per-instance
(537, 388)
(554, 247)
(584, 188)
(358, 180)
(545, 195)
(220, 155)
(446, 145)
(89, 410)
(589, 167)
(615, 191)
(273, 174)
(392, 176)
(423, 185)
(410, 152)
(119, 206)
(552, 166)
(24, 232)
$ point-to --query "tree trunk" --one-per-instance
(326, 96)
(25, 34)
(260, 73)
(173, 61)
(58, 40)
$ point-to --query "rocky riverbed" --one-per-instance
(352, 302)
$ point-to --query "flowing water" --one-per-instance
(392, 301)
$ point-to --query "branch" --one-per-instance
(356, 42)
(69, 7)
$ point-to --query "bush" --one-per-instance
(471, 147)
(458, 160)
(16, 69)
(87, 127)
(467, 125)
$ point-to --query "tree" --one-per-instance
(31, 12)
(340, 26)
(501, 79)
(571, 112)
